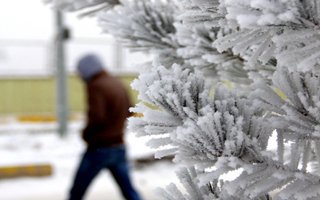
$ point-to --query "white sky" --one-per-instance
(27, 31)
(32, 19)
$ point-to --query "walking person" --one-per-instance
(108, 108)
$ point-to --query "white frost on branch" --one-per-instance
(295, 114)
(75, 5)
(251, 13)
(145, 26)
(211, 130)
(284, 30)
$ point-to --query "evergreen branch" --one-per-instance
(192, 189)
(76, 5)
(144, 26)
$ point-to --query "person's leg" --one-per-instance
(120, 172)
(88, 168)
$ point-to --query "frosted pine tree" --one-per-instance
(92, 6)
(234, 91)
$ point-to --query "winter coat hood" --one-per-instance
(89, 66)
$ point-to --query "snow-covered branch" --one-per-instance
(76, 5)
(270, 47)
(144, 26)
(285, 30)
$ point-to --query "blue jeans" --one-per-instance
(93, 161)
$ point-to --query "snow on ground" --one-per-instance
(23, 144)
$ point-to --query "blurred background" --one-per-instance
(27, 56)
(42, 104)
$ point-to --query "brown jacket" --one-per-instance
(108, 108)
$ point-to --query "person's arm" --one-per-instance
(97, 115)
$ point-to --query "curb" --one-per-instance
(36, 170)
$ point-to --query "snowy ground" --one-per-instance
(22, 143)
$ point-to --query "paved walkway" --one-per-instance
(107, 194)
(146, 180)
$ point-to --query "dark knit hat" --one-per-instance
(88, 66)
